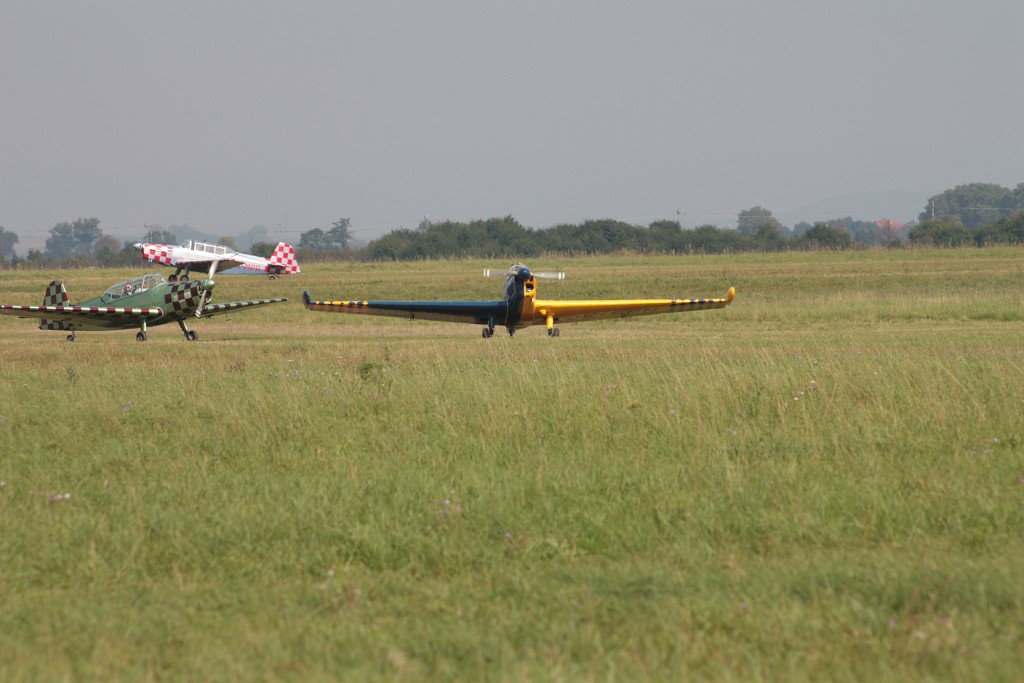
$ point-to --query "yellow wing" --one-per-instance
(576, 311)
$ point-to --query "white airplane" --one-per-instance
(215, 257)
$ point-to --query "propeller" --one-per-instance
(544, 275)
(207, 290)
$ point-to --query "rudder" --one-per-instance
(283, 259)
(55, 295)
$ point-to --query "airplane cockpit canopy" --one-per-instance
(132, 287)
(215, 249)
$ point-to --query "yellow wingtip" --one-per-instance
(731, 295)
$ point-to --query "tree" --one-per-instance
(264, 249)
(824, 236)
(666, 235)
(340, 234)
(69, 240)
(37, 259)
(940, 232)
(769, 237)
(709, 239)
(750, 220)
(315, 240)
(1009, 230)
(105, 247)
(974, 204)
(7, 242)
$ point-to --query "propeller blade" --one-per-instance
(205, 297)
(207, 290)
(544, 275)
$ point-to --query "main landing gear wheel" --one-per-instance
(71, 337)
(553, 332)
(172, 278)
(141, 337)
(488, 333)
(191, 335)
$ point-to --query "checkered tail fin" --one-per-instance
(284, 258)
(55, 295)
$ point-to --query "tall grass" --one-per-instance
(823, 481)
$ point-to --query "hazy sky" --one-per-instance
(225, 114)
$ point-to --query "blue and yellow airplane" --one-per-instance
(519, 307)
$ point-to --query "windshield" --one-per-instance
(132, 287)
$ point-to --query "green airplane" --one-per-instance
(141, 302)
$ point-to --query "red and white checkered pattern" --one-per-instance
(158, 253)
(55, 295)
(284, 259)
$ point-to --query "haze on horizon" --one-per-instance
(233, 114)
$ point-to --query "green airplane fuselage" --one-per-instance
(175, 302)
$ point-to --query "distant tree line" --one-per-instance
(979, 213)
(976, 214)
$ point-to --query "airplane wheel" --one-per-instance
(71, 337)
(172, 278)
(488, 333)
(273, 277)
(141, 337)
(191, 335)
(511, 332)
(553, 332)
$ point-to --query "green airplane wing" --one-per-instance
(213, 309)
(92, 315)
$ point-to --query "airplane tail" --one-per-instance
(55, 295)
(283, 259)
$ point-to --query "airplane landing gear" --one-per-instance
(71, 337)
(550, 322)
(141, 337)
(190, 335)
(488, 333)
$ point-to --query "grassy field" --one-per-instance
(824, 481)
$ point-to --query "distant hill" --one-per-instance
(864, 206)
